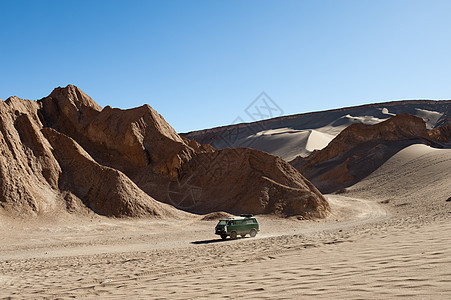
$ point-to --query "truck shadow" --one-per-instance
(213, 241)
(209, 241)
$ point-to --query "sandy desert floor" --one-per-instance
(388, 237)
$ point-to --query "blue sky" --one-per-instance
(201, 63)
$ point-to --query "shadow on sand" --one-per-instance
(214, 241)
(209, 241)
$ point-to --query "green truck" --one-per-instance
(242, 225)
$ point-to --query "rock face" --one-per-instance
(246, 180)
(29, 173)
(42, 170)
(360, 149)
(441, 134)
(66, 151)
(103, 189)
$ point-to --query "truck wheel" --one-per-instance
(253, 233)
(223, 236)
(233, 235)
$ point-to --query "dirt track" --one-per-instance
(44, 238)
(184, 259)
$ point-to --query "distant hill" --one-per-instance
(299, 135)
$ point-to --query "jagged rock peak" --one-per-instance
(75, 96)
(151, 116)
(12, 99)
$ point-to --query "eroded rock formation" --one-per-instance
(66, 151)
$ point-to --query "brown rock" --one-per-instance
(128, 140)
(105, 190)
(117, 162)
(42, 170)
(441, 134)
(249, 181)
(216, 216)
(29, 173)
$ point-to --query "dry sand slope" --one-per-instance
(418, 179)
(364, 250)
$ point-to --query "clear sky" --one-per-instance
(201, 63)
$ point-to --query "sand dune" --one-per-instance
(288, 136)
(415, 179)
(289, 143)
(317, 140)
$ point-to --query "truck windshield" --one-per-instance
(222, 222)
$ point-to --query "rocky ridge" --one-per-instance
(66, 151)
